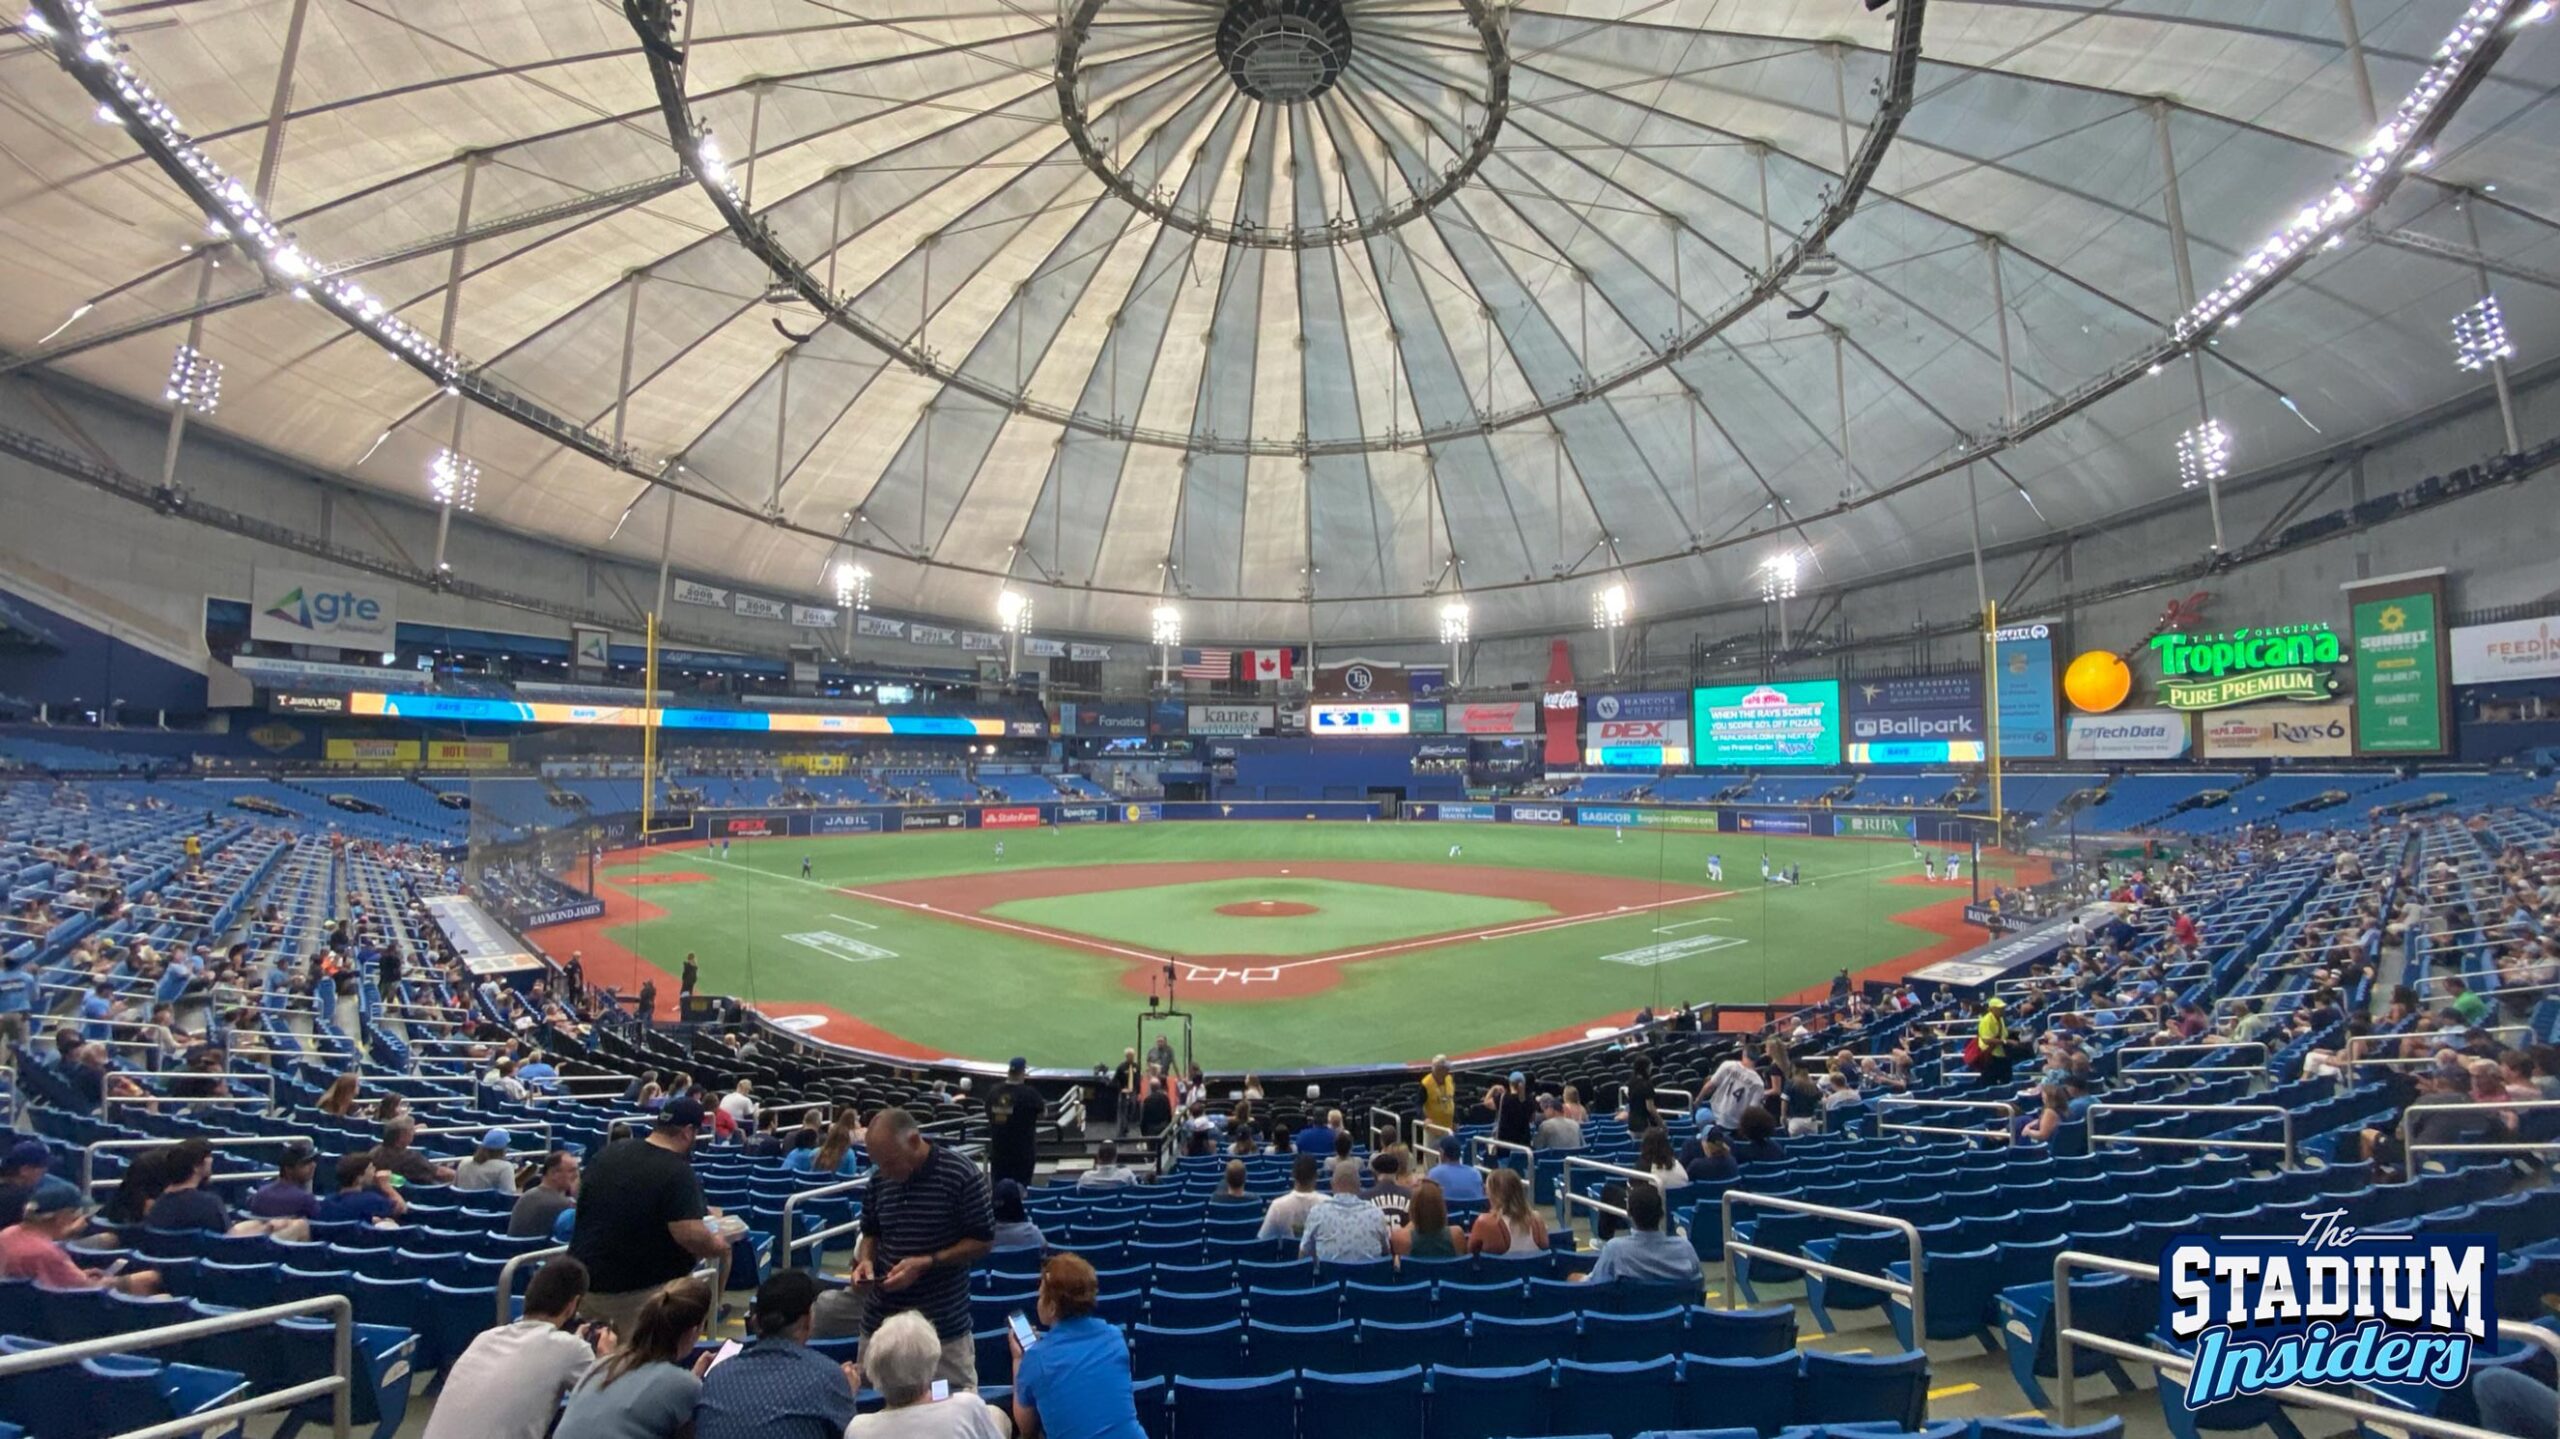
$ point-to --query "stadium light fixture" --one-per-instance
(1610, 606)
(1164, 626)
(195, 381)
(454, 481)
(2480, 335)
(1013, 611)
(1453, 622)
(2204, 455)
(853, 586)
(1778, 577)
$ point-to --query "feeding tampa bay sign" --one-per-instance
(2283, 662)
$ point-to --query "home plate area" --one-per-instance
(1214, 976)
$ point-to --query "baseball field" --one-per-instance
(1293, 944)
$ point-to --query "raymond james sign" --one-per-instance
(2292, 662)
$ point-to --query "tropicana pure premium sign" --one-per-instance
(2285, 662)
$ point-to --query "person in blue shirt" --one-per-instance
(17, 1002)
(1317, 1139)
(777, 1387)
(364, 1193)
(1460, 1183)
(539, 1073)
(97, 1011)
(1073, 1382)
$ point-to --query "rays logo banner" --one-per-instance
(2330, 1305)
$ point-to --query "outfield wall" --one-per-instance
(1694, 819)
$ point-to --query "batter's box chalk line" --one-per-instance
(1202, 974)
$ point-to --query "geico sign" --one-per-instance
(1633, 731)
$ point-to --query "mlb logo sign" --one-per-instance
(2328, 1306)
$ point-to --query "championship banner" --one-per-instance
(468, 754)
(980, 642)
(756, 608)
(694, 592)
(304, 607)
(1036, 648)
(2401, 663)
(2281, 732)
(932, 635)
(2127, 734)
(1079, 650)
(590, 649)
(2516, 650)
(2030, 719)
(1917, 719)
(880, 627)
(372, 751)
(811, 617)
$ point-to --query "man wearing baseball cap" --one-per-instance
(33, 1248)
(641, 1217)
(288, 1195)
(22, 1168)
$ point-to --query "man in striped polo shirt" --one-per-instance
(927, 1218)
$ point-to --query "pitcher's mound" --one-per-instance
(1267, 909)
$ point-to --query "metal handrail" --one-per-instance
(2125, 1056)
(1529, 1167)
(1566, 1198)
(89, 1155)
(782, 1256)
(1915, 1291)
(540, 1126)
(2008, 1113)
(1377, 1112)
(339, 1386)
(2067, 1339)
(2347, 1060)
(507, 1278)
(1431, 1134)
(2180, 1141)
(183, 1101)
(2409, 1153)
(1688, 1098)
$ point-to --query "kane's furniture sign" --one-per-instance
(2400, 664)
(2285, 662)
(1231, 719)
(1794, 723)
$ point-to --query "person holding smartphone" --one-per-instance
(1073, 1383)
(899, 1361)
(509, 1383)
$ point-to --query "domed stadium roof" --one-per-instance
(1368, 300)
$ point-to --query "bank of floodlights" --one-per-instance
(2480, 336)
(454, 480)
(853, 586)
(1778, 577)
(1453, 622)
(1610, 606)
(2204, 455)
(195, 381)
(1164, 626)
(1013, 611)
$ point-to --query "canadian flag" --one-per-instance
(1261, 665)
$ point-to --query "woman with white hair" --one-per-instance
(899, 1360)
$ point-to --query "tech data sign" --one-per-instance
(300, 607)
(2290, 662)
(2127, 734)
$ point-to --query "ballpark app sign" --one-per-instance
(1917, 719)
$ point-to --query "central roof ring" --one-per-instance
(1286, 52)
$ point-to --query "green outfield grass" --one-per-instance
(768, 936)
(1184, 918)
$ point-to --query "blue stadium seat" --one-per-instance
(1399, 1303)
(1742, 1333)
(1310, 1304)
(1757, 1394)
(1175, 1309)
(1264, 1408)
(1855, 1388)
(1505, 1299)
(1355, 1406)
(1273, 1348)
(1620, 1400)
(1494, 1342)
(2108, 1304)
(1961, 1291)
(1622, 1338)
(1213, 1351)
(1484, 1403)
(1428, 1343)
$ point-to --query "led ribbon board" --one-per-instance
(2292, 662)
(468, 708)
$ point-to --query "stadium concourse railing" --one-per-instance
(785, 1244)
(2007, 1111)
(1478, 1144)
(2125, 1066)
(90, 1182)
(2410, 1152)
(338, 1387)
(2378, 1418)
(715, 1270)
(2291, 1157)
(1567, 1200)
(2354, 1052)
(1397, 1128)
(1736, 1249)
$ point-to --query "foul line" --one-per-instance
(1054, 936)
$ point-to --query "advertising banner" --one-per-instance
(1452, 811)
(1606, 817)
(1362, 680)
(1538, 813)
(2517, 650)
(935, 818)
(755, 607)
(2400, 660)
(2272, 662)
(304, 607)
(1644, 731)
(1232, 719)
(749, 826)
(373, 751)
(590, 649)
(1083, 814)
(1441, 749)
(1984, 916)
(1427, 680)
(1794, 723)
(1106, 717)
(1335, 718)
(286, 703)
(1876, 826)
(1141, 813)
(1023, 816)
(1917, 719)
(694, 592)
(849, 821)
(468, 754)
(564, 914)
(2030, 723)
(1765, 821)
(1501, 717)
(2127, 734)
(1430, 719)
(1637, 705)
(1677, 818)
(2280, 732)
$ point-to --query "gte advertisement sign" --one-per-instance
(2287, 662)
(2329, 1306)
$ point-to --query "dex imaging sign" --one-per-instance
(300, 607)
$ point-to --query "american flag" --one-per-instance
(1208, 664)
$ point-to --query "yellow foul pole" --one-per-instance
(1991, 708)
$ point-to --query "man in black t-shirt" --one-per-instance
(641, 1217)
(929, 1216)
(1013, 1116)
